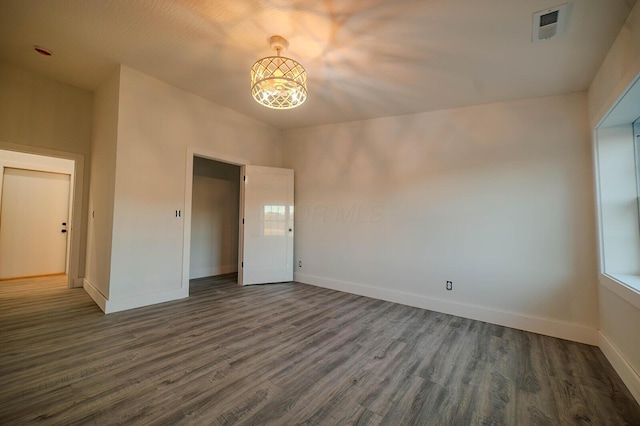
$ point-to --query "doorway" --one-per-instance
(264, 250)
(215, 205)
(36, 215)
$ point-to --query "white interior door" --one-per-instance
(34, 211)
(267, 233)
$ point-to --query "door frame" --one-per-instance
(77, 219)
(188, 196)
(51, 170)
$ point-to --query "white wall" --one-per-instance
(214, 218)
(100, 217)
(157, 124)
(497, 198)
(43, 116)
(36, 111)
(619, 320)
(619, 305)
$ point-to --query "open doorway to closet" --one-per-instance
(215, 205)
(260, 240)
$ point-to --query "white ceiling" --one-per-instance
(364, 58)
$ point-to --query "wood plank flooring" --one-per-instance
(286, 354)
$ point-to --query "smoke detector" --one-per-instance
(549, 23)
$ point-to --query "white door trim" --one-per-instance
(188, 194)
(76, 213)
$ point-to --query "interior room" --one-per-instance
(342, 212)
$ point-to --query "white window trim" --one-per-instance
(623, 111)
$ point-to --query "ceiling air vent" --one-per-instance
(549, 23)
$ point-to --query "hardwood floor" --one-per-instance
(286, 354)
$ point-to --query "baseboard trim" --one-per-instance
(78, 282)
(95, 294)
(110, 306)
(212, 272)
(629, 376)
(538, 325)
(126, 303)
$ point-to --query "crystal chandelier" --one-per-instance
(278, 82)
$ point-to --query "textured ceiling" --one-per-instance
(364, 58)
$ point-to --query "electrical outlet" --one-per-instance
(299, 263)
(449, 285)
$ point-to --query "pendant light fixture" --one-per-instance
(278, 82)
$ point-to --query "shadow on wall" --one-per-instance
(498, 196)
(351, 50)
